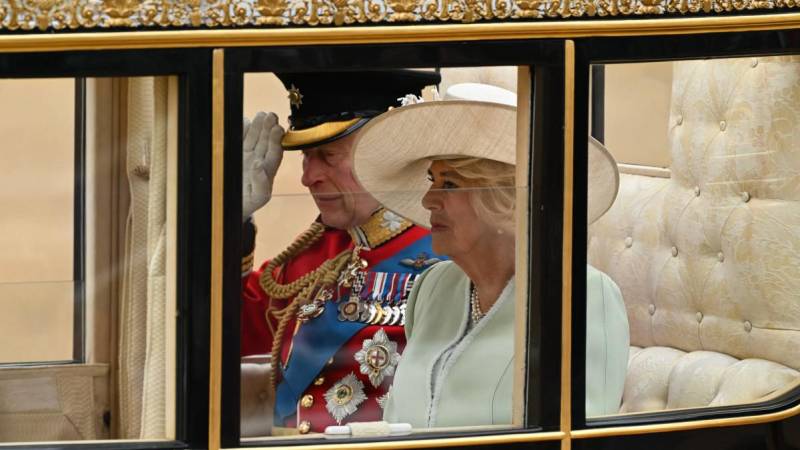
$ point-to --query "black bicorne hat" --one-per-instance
(330, 105)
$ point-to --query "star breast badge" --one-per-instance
(343, 398)
(378, 357)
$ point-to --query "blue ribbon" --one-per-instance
(319, 339)
(313, 345)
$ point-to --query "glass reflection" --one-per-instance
(340, 300)
(88, 281)
(702, 238)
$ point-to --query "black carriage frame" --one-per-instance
(546, 58)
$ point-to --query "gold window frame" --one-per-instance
(155, 14)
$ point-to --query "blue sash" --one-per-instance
(313, 345)
(319, 339)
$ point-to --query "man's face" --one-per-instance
(328, 175)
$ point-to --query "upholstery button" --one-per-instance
(674, 251)
(745, 197)
(262, 395)
(307, 401)
(628, 242)
(753, 62)
(319, 381)
(697, 191)
(679, 121)
(723, 125)
(748, 326)
(699, 316)
(720, 257)
(652, 309)
(304, 427)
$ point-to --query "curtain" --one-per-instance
(143, 327)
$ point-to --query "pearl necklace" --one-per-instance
(475, 305)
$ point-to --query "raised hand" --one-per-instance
(261, 156)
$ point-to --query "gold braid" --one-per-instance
(302, 288)
(281, 291)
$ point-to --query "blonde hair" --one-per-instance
(497, 198)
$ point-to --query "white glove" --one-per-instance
(261, 155)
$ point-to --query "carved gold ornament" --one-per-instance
(76, 14)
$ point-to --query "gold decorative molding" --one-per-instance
(45, 15)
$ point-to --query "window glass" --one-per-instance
(87, 274)
(37, 229)
(699, 251)
(383, 280)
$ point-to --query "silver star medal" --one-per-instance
(384, 398)
(378, 357)
(343, 398)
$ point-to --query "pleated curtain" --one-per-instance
(142, 344)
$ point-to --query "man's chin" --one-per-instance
(335, 219)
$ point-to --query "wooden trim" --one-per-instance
(433, 443)
(566, 256)
(217, 233)
(522, 243)
(172, 258)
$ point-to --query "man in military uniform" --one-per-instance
(331, 307)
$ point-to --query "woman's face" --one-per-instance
(456, 228)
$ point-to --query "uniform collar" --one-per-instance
(381, 226)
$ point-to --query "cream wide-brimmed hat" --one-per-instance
(394, 150)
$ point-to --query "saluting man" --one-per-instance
(331, 307)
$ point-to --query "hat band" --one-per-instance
(294, 139)
(303, 121)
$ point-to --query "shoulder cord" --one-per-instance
(302, 288)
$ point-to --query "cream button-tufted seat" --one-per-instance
(256, 395)
(708, 260)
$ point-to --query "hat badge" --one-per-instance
(295, 97)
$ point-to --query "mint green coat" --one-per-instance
(474, 386)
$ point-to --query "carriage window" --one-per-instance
(387, 275)
(699, 253)
(87, 271)
(38, 286)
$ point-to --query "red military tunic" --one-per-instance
(337, 367)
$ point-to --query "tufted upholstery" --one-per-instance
(708, 260)
(256, 396)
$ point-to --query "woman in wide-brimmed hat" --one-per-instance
(450, 166)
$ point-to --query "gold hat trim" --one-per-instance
(321, 132)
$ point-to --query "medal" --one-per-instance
(343, 398)
(422, 261)
(378, 315)
(383, 398)
(378, 357)
(388, 315)
(315, 308)
(350, 311)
